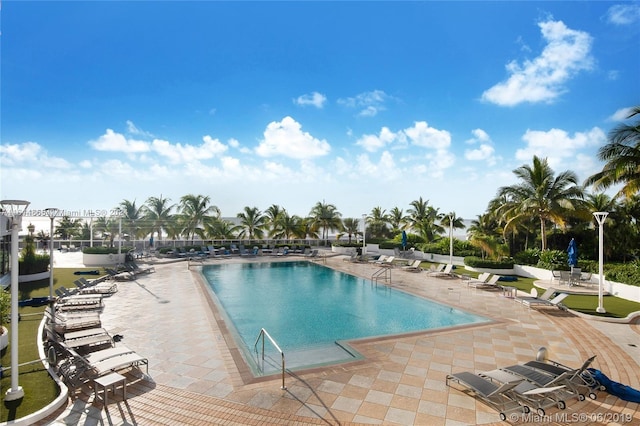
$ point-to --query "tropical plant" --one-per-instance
(252, 223)
(351, 227)
(286, 226)
(193, 212)
(107, 227)
(67, 228)
(131, 216)
(541, 195)
(326, 217)
(273, 214)
(220, 229)
(397, 220)
(622, 156)
(424, 219)
(157, 212)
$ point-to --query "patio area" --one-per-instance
(196, 376)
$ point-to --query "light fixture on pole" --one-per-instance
(52, 212)
(600, 217)
(451, 239)
(14, 209)
(364, 231)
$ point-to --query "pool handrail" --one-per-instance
(263, 333)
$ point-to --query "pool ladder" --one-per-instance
(262, 335)
(384, 273)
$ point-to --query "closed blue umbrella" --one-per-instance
(572, 251)
(404, 240)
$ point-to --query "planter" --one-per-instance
(102, 259)
(4, 338)
(33, 277)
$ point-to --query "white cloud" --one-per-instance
(178, 153)
(623, 14)
(287, 138)
(313, 99)
(543, 79)
(133, 130)
(557, 144)
(422, 135)
(30, 154)
(373, 143)
(621, 114)
(369, 103)
(117, 142)
(485, 151)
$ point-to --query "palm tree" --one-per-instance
(542, 195)
(157, 212)
(67, 228)
(194, 210)
(131, 215)
(286, 226)
(397, 220)
(327, 217)
(219, 229)
(377, 223)
(423, 218)
(484, 233)
(107, 227)
(273, 213)
(252, 222)
(351, 227)
(622, 156)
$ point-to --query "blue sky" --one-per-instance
(359, 104)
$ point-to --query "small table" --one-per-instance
(110, 380)
(508, 291)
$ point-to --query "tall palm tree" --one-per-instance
(424, 218)
(397, 220)
(485, 234)
(157, 212)
(252, 222)
(622, 156)
(351, 227)
(273, 214)
(287, 226)
(378, 223)
(131, 218)
(107, 227)
(542, 195)
(67, 228)
(194, 209)
(220, 229)
(326, 217)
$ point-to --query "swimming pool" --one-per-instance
(309, 309)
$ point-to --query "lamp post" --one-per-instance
(600, 217)
(451, 239)
(364, 232)
(14, 209)
(52, 212)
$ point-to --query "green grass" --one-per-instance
(39, 388)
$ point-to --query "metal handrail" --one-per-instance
(383, 271)
(263, 333)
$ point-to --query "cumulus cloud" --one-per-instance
(423, 135)
(117, 142)
(134, 130)
(544, 78)
(369, 104)
(623, 14)
(373, 143)
(286, 138)
(484, 151)
(178, 153)
(311, 99)
(621, 114)
(29, 154)
(557, 144)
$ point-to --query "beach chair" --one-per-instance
(447, 272)
(556, 301)
(482, 278)
(499, 397)
(527, 393)
(577, 380)
(434, 270)
(533, 295)
(413, 266)
(87, 287)
(492, 283)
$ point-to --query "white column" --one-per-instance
(600, 217)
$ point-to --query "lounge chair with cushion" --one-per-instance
(500, 397)
(413, 266)
(556, 301)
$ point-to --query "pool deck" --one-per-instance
(194, 378)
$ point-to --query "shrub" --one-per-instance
(628, 273)
(102, 250)
(554, 260)
(478, 262)
(32, 263)
(528, 257)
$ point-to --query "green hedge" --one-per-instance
(36, 264)
(477, 262)
(628, 273)
(105, 250)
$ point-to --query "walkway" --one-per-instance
(195, 380)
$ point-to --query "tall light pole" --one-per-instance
(14, 209)
(451, 239)
(364, 232)
(600, 217)
(52, 212)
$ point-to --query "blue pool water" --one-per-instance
(306, 306)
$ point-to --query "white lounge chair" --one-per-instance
(556, 301)
(491, 283)
(413, 266)
(482, 278)
(434, 270)
(446, 272)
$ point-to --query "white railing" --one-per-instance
(262, 334)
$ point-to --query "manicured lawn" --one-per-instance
(38, 386)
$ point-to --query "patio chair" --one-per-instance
(482, 278)
(447, 272)
(434, 270)
(576, 380)
(548, 293)
(556, 301)
(413, 266)
(492, 283)
(500, 397)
